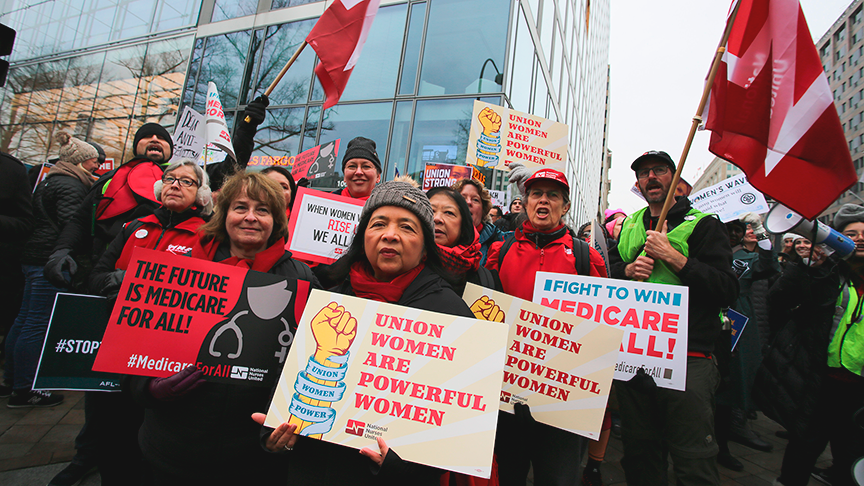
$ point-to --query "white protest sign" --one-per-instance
(730, 198)
(500, 199)
(188, 136)
(217, 130)
(652, 316)
(322, 225)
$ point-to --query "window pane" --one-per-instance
(477, 32)
(229, 9)
(399, 144)
(310, 131)
(279, 135)
(557, 63)
(223, 63)
(371, 120)
(277, 4)
(95, 26)
(35, 142)
(412, 49)
(520, 84)
(376, 71)
(119, 83)
(547, 26)
(133, 18)
(280, 44)
(194, 69)
(164, 69)
(79, 88)
(440, 125)
(172, 14)
(541, 92)
(46, 91)
(19, 88)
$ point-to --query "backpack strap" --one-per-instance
(486, 279)
(303, 271)
(505, 247)
(582, 254)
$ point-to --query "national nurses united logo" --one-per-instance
(355, 427)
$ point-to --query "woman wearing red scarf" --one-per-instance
(201, 433)
(543, 243)
(458, 240)
(393, 258)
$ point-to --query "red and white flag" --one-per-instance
(338, 38)
(772, 112)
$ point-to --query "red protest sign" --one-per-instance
(173, 311)
(445, 175)
(106, 166)
(316, 162)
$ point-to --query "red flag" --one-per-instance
(772, 112)
(338, 38)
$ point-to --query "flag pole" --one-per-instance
(281, 73)
(697, 119)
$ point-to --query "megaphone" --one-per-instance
(783, 220)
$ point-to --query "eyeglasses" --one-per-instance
(659, 171)
(183, 181)
(537, 194)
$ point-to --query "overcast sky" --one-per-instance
(660, 54)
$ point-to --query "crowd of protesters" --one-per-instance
(799, 361)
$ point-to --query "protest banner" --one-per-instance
(322, 225)
(71, 343)
(730, 198)
(317, 162)
(105, 167)
(652, 316)
(738, 322)
(216, 130)
(189, 137)
(174, 311)
(500, 136)
(598, 241)
(444, 175)
(556, 363)
(425, 382)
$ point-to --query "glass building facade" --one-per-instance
(103, 69)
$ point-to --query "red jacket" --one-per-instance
(150, 233)
(524, 259)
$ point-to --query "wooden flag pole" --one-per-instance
(281, 73)
(697, 120)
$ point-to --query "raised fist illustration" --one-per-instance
(486, 309)
(334, 330)
(490, 120)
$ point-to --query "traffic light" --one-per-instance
(7, 38)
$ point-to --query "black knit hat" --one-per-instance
(100, 151)
(361, 148)
(148, 130)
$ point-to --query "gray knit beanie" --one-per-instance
(75, 151)
(403, 195)
(848, 213)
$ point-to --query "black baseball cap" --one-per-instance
(653, 154)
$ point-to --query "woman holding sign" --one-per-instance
(392, 259)
(542, 244)
(197, 432)
(458, 240)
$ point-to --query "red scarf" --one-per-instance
(462, 259)
(263, 261)
(366, 286)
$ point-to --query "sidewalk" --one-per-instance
(35, 444)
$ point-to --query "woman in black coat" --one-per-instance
(393, 258)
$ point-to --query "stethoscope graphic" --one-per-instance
(326, 151)
(266, 303)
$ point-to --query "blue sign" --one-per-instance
(738, 322)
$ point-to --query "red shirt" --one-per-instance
(177, 240)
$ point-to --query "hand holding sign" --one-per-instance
(657, 246)
(334, 330)
(378, 458)
(640, 269)
(281, 439)
(485, 308)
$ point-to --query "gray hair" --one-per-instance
(204, 198)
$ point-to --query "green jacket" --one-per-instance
(846, 348)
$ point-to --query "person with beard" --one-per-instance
(814, 402)
(543, 243)
(690, 249)
(126, 193)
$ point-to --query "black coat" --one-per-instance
(55, 202)
(16, 211)
(315, 462)
(801, 305)
(208, 436)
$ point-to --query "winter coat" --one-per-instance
(538, 252)
(489, 234)
(708, 273)
(759, 266)
(317, 462)
(164, 230)
(802, 304)
(55, 202)
(16, 212)
(207, 436)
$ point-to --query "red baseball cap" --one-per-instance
(550, 175)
